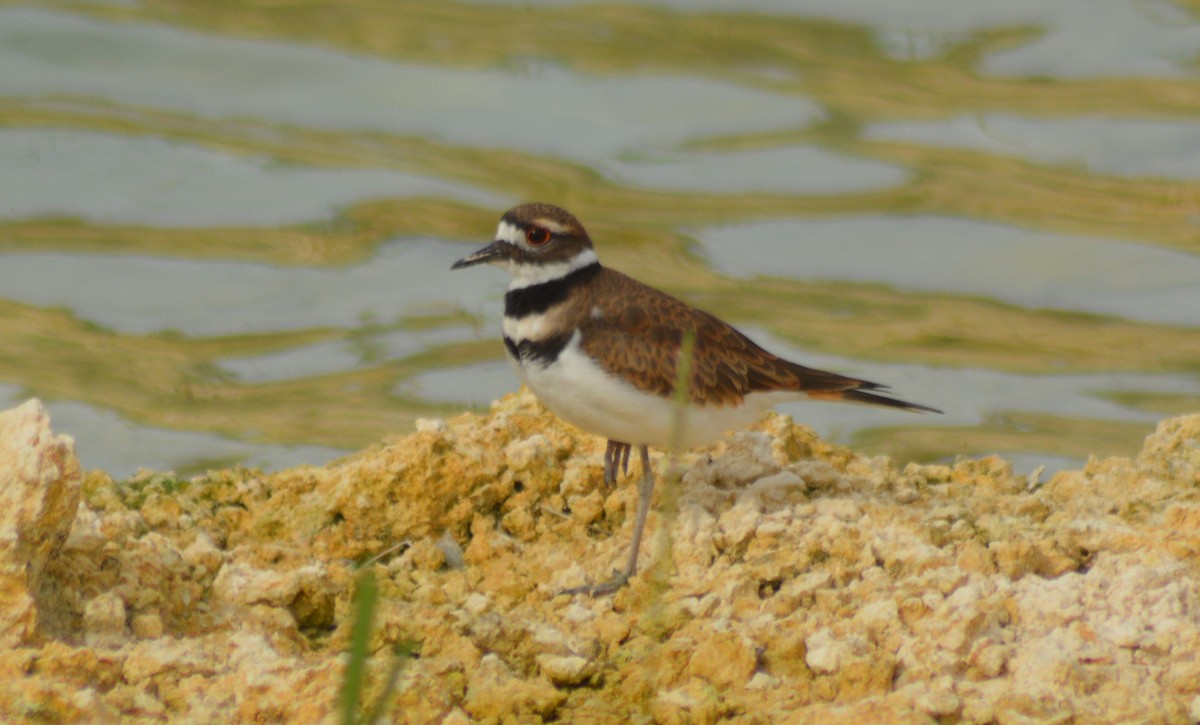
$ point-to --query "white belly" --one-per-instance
(581, 393)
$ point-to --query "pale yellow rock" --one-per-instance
(566, 669)
(147, 626)
(39, 494)
(104, 621)
(496, 692)
(803, 578)
(939, 700)
(724, 659)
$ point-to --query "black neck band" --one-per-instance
(537, 298)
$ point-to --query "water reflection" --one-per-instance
(474, 385)
(120, 180)
(114, 444)
(589, 117)
(785, 170)
(1074, 38)
(1028, 268)
(204, 298)
(365, 350)
(813, 143)
(122, 448)
(1120, 146)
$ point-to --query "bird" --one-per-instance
(599, 349)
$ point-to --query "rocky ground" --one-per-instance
(799, 581)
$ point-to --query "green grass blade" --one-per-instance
(365, 597)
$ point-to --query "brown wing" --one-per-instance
(635, 331)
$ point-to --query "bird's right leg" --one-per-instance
(616, 455)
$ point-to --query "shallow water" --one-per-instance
(960, 256)
(226, 229)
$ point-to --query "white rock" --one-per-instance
(739, 522)
(762, 681)
(878, 615)
(522, 455)
(476, 603)
(824, 652)
(576, 613)
(565, 669)
(431, 425)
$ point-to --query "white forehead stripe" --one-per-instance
(509, 233)
(553, 226)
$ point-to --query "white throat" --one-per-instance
(527, 275)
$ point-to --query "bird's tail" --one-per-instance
(858, 395)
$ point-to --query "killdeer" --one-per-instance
(599, 349)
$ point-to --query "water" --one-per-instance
(225, 232)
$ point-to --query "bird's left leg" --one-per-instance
(621, 578)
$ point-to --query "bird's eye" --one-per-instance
(537, 236)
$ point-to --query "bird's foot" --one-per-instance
(616, 455)
(602, 589)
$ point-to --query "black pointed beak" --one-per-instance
(486, 254)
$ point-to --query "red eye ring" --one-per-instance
(537, 236)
